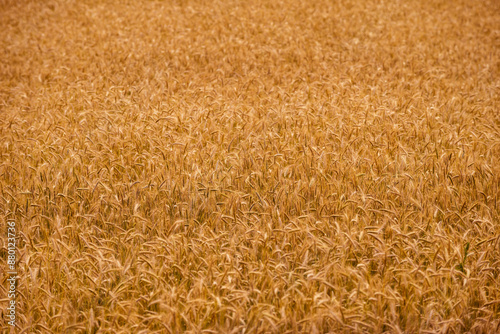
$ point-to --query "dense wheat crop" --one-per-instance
(251, 166)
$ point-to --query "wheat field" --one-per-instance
(230, 166)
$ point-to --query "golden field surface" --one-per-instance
(328, 166)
